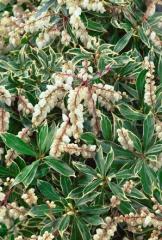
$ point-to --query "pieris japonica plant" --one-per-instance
(80, 120)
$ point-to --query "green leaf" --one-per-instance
(124, 174)
(91, 210)
(160, 68)
(155, 149)
(63, 224)
(126, 207)
(117, 190)
(48, 190)
(76, 193)
(148, 131)
(109, 160)
(94, 220)
(45, 137)
(3, 230)
(27, 175)
(106, 127)
(85, 169)
(42, 137)
(43, 210)
(88, 138)
(130, 113)
(121, 44)
(60, 166)
(3, 172)
(89, 197)
(143, 37)
(75, 234)
(136, 141)
(14, 169)
(92, 186)
(135, 193)
(39, 210)
(140, 83)
(95, 26)
(84, 231)
(100, 161)
(146, 180)
(17, 144)
(66, 184)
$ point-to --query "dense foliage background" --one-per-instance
(80, 120)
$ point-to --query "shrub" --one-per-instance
(80, 120)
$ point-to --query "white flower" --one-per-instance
(46, 236)
(150, 9)
(48, 100)
(150, 88)
(147, 221)
(4, 120)
(106, 93)
(3, 211)
(2, 195)
(19, 238)
(10, 156)
(124, 139)
(24, 105)
(77, 11)
(5, 95)
(29, 197)
(60, 139)
(65, 38)
(16, 212)
(51, 204)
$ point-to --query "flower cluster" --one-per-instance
(135, 222)
(107, 230)
(150, 88)
(107, 96)
(77, 24)
(45, 236)
(157, 207)
(157, 163)
(47, 101)
(4, 120)
(84, 78)
(124, 139)
(75, 108)
(115, 201)
(29, 197)
(87, 151)
(25, 22)
(5, 96)
(154, 235)
(24, 105)
(128, 185)
(10, 213)
(61, 138)
(80, 99)
(154, 39)
(151, 7)
(62, 143)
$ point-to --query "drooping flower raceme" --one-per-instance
(4, 120)
(124, 139)
(48, 100)
(5, 96)
(150, 88)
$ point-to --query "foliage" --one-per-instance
(80, 120)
